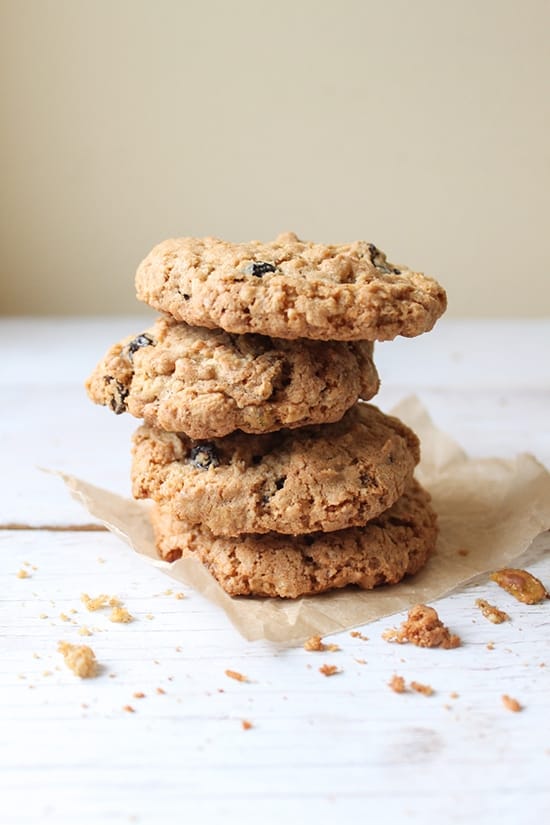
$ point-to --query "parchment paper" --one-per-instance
(490, 507)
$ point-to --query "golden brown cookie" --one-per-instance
(324, 477)
(207, 383)
(395, 544)
(289, 289)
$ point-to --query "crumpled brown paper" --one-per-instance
(491, 508)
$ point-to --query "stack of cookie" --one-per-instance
(257, 448)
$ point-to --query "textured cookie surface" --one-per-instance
(207, 383)
(324, 477)
(395, 544)
(289, 289)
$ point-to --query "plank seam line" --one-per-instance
(57, 528)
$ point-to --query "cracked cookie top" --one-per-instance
(396, 543)
(325, 477)
(289, 288)
(207, 383)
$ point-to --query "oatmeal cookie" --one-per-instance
(207, 383)
(324, 477)
(395, 544)
(289, 288)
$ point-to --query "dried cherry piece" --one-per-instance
(260, 268)
(379, 260)
(119, 394)
(139, 341)
(204, 456)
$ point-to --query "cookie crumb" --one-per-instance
(315, 643)
(160, 691)
(94, 604)
(84, 631)
(491, 612)
(120, 615)
(79, 658)
(426, 690)
(149, 616)
(423, 628)
(23, 574)
(64, 617)
(329, 670)
(179, 596)
(168, 592)
(246, 724)
(511, 704)
(397, 684)
(454, 695)
(521, 584)
(361, 661)
(43, 616)
(234, 674)
(138, 694)
(355, 634)
(128, 709)
(490, 645)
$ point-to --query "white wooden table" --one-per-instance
(320, 749)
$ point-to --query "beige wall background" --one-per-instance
(422, 126)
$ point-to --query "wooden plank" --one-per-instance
(319, 746)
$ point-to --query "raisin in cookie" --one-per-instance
(395, 544)
(289, 289)
(324, 477)
(207, 383)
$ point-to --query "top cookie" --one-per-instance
(289, 289)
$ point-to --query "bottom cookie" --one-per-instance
(397, 543)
